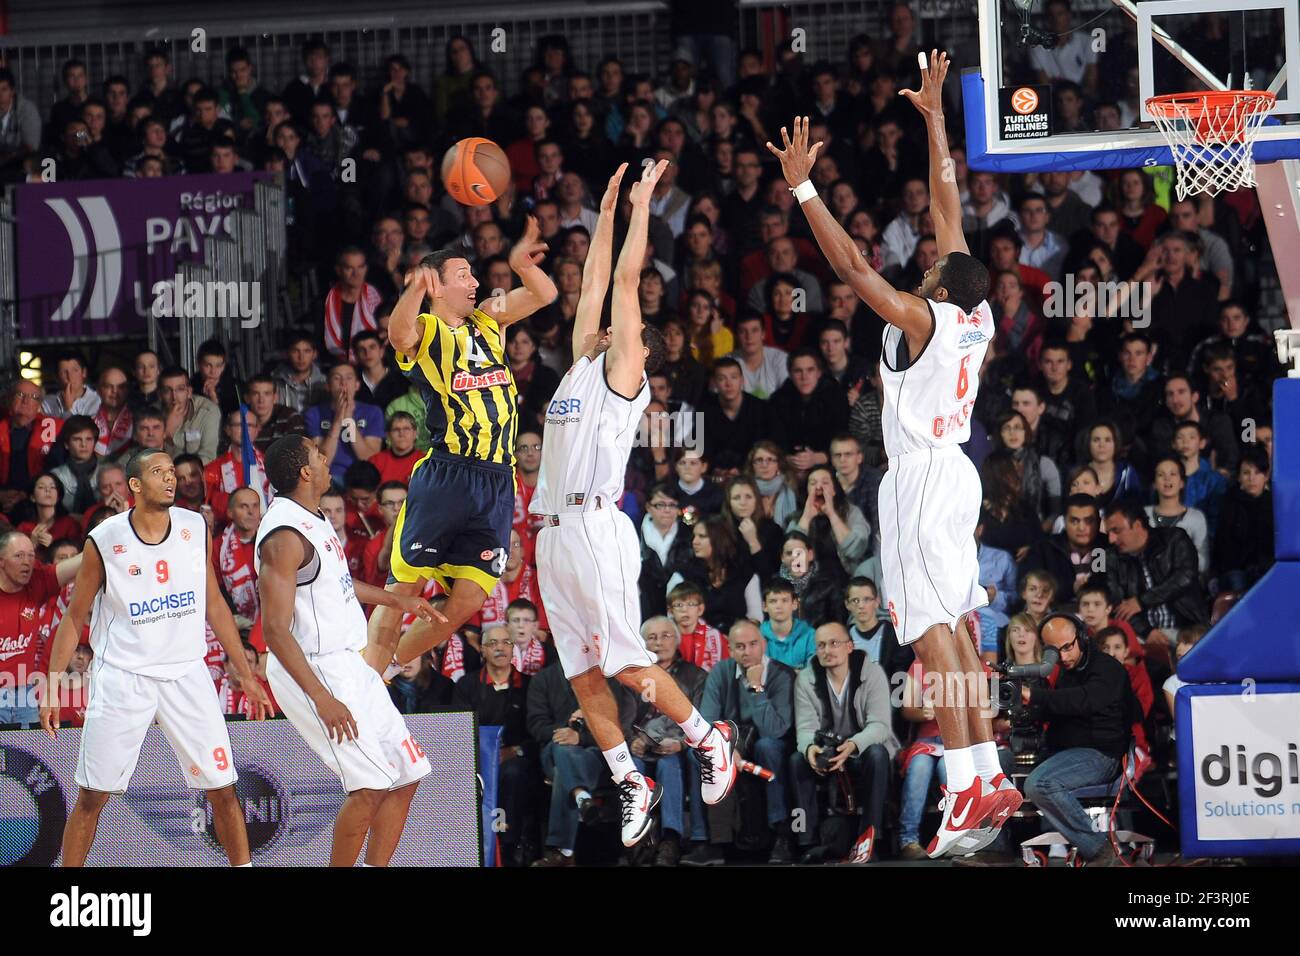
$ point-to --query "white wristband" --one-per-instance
(804, 191)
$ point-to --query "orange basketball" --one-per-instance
(475, 171)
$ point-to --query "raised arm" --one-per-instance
(945, 200)
(405, 329)
(626, 362)
(538, 290)
(907, 312)
(595, 271)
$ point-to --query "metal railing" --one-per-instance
(505, 38)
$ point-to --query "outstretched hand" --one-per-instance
(427, 278)
(529, 250)
(643, 188)
(609, 201)
(796, 159)
(929, 99)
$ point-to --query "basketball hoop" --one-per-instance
(1212, 134)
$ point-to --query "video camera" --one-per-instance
(1026, 722)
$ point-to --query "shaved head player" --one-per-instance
(588, 555)
(930, 498)
(148, 586)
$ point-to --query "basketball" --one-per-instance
(475, 171)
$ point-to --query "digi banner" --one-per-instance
(289, 799)
(91, 253)
(1239, 769)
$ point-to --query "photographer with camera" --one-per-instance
(1090, 711)
(845, 735)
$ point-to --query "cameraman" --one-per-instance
(1090, 713)
(842, 693)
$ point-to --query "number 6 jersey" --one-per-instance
(929, 398)
(149, 617)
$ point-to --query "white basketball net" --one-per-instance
(1212, 142)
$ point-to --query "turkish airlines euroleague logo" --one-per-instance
(1024, 100)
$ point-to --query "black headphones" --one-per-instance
(1080, 631)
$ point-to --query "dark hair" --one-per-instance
(861, 581)
(436, 260)
(390, 486)
(75, 424)
(779, 585)
(521, 604)
(727, 362)
(722, 539)
(665, 488)
(1094, 586)
(135, 464)
(363, 475)
(285, 459)
(966, 279)
(148, 413)
(653, 339)
(1106, 633)
(1081, 501)
(173, 371)
(1258, 457)
(188, 458)
(1131, 510)
(406, 417)
(211, 346)
(364, 336)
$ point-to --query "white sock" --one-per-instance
(240, 866)
(695, 727)
(986, 760)
(566, 853)
(960, 766)
(368, 866)
(581, 794)
(620, 761)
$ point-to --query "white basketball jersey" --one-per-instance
(929, 399)
(590, 430)
(149, 617)
(327, 616)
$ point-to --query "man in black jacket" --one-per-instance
(1153, 579)
(1073, 555)
(733, 419)
(498, 696)
(807, 411)
(570, 755)
(757, 693)
(1089, 712)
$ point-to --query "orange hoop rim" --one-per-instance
(1256, 101)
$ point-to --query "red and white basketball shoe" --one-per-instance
(716, 754)
(637, 796)
(971, 819)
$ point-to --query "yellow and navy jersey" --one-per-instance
(469, 394)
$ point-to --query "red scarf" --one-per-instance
(704, 646)
(114, 435)
(494, 606)
(531, 659)
(338, 339)
(453, 658)
(238, 574)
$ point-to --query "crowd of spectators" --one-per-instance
(1125, 462)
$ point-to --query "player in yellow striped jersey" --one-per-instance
(455, 524)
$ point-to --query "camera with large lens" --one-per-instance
(1026, 721)
(830, 744)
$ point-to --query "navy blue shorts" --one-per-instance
(455, 523)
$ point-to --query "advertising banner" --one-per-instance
(289, 798)
(1239, 769)
(91, 253)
